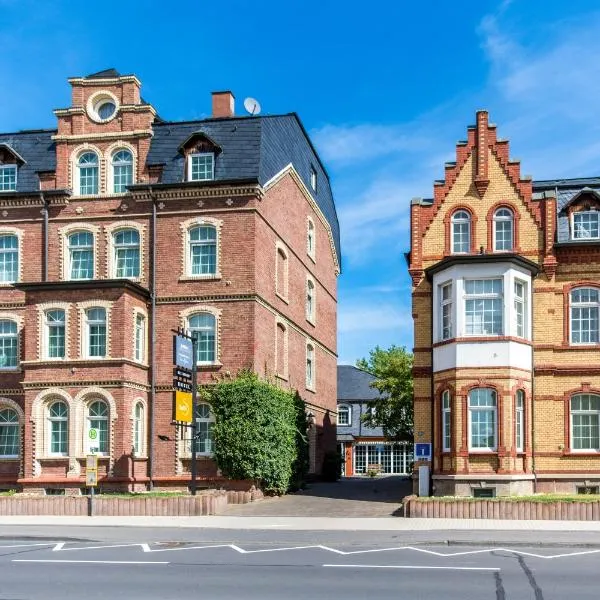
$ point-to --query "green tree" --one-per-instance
(393, 412)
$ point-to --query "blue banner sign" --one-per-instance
(183, 351)
(423, 451)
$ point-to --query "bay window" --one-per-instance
(482, 419)
(483, 307)
(446, 310)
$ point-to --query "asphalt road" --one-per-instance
(254, 565)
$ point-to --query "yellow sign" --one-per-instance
(91, 462)
(91, 478)
(182, 406)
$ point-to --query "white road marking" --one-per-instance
(99, 562)
(414, 567)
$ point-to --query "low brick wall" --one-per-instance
(500, 509)
(211, 503)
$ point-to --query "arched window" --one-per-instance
(55, 333)
(310, 239)
(482, 419)
(585, 315)
(585, 422)
(87, 166)
(281, 273)
(126, 244)
(344, 415)
(9, 356)
(503, 230)
(81, 255)
(281, 348)
(461, 232)
(203, 250)
(310, 300)
(122, 165)
(98, 419)
(96, 332)
(204, 429)
(446, 421)
(9, 258)
(138, 429)
(520, 420)
(203, 325)
(310, 367)
(58, 425)
(9, 433)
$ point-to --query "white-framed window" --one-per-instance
(55, 330)
(58, 428)
(9, 344)
(461, 232)
(122, 170)
(281, 272)
(585, 314)
(311, 242)
(10, 438)
(87, 166)
(81, 255)
(520, 421)
(586, 225)
(205, 421)
(446, 421)
(520, 305)
(585, 422)
(95, 323)
(483, 307)
(204, 326)
(446, 311)
(201, 167)
(503, 230)
(140, 337)
(310, 367)
(344, 415)
(139, 422)
(482, 419)
(97, 418)
(310, 300)
(126, 249)
(9, 258)
(8, 178)
(202, 242)
(313, 178)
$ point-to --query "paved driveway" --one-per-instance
(349, 497)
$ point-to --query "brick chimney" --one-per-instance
(222, 104)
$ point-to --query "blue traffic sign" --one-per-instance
(183, 351)
(423, 451)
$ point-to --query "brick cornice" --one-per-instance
(102, 137)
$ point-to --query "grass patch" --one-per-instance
(538, 498)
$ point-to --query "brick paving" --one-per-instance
(349, 497)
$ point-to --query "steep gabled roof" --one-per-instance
(355, 384)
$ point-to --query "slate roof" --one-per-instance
(252, 148)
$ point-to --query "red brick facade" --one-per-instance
(250, 219)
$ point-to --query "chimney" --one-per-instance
(222, 104)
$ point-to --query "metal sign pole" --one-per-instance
(193, 468)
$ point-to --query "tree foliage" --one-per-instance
(255, 431)
(393, 412)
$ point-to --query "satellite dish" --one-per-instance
(252, 106)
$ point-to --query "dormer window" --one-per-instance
(313, 179)
(8, 178)
(586, 225)
(201, 167)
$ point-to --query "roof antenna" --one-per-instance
(252, 106)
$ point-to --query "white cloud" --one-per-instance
(372, 316)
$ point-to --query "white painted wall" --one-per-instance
(482, 354)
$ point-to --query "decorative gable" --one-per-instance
(198, 143)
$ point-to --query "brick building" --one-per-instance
(365, 448)
(506, 301)
(116, 228)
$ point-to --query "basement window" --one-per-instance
(54, 491)
(484, 493)
(588, 490)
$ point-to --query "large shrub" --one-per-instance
(301, 465)
(255, 431)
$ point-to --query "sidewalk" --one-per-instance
(306, 523)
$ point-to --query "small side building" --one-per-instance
(365, 448)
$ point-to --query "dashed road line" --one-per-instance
(422, 567)
(100, 562)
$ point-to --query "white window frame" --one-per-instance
(201, 243)
(310, 367)
(504, 218)
(115, 247)
(346, 409)
(311, 239)
(9, 167)
(16, 336)
(311, 300)
(69, 257)
(215, 331)
(89, 419)
(4, 251)
(139, 429)
(475, 409)
(208, 420)
(198, 155)
(446, 421)
(18, 425)
(51, 420)
(48, 325)
(87, 332)
(484, 296)
(446, 304)
(591, 305)
(78, 167)
(139, 336)
(456, 220)
(592, 413)
(313, 178)
(574, 235)
(520, 304)
(114, 163)
(520, 421)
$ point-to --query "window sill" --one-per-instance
(343, 425)
(207, 277)
(282, 377)
(188, 455)
(10, 457)
(311, 389)
(312, 257)
(587, 452)
(209, 365)
(53, 457)
(284, 298)
(10, 370)
(7, 284)
(486, 451)
(311, 321)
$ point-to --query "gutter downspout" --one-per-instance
(533, 399)
(152, 341)
(45, 237)
(432, 392)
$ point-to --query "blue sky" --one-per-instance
(385, 90)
